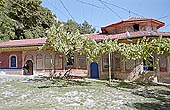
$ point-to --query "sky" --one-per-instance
(99, 13)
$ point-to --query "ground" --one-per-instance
(25, 93)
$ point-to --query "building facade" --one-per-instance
(129, 31)
(14, 55)
(18, 55)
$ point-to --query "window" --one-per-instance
(117, 63)
(105, 62)
(48, 61)
(70, 61)
(59, 62)
(81, 61)
(163, 63)
(39, 63)
(148, 64)
(136, 27)
(130, 65)
(13, 61)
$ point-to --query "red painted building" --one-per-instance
(129, 31)
(15, 54)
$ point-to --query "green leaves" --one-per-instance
(141, 50)
(72, 26)
(24, 19)
(161, 45)
(70, 43)
(145, 48)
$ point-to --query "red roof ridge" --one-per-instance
(130, 19)
(24, 42)
(124, 36)
(136, 18)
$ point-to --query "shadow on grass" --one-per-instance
(161, 95)
(34, 80)
(65, 83)
(143, 89)
(151, 106)
(164, 92)
(123, 85)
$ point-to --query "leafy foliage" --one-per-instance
(85, 28)
(24, 19)
(70, 43)
(72, 26)
(1, 1)
(161, 45)
(141, 50)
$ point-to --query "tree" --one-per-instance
(73, 26)
(70, 25)
(24, 19)
(70, 43)
(86, 28)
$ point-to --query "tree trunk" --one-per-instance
(157, 67)
(52, 67)
(110, 75)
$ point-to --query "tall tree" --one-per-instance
(86, 28)
(23, 19)
(73, 26)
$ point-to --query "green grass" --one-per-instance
(42, 94)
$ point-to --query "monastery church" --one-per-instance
(16, 54)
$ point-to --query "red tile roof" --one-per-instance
(133, 19)
(25, 42)
(124, 36)
(100, 36)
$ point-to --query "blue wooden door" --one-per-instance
(94, 70)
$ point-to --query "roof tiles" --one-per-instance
(124, 36)
(25, 42)
(133, 19)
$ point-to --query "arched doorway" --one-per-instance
(28, 68)
(94, 70)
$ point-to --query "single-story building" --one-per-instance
(16, 54)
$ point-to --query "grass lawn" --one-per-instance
(20, 93)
